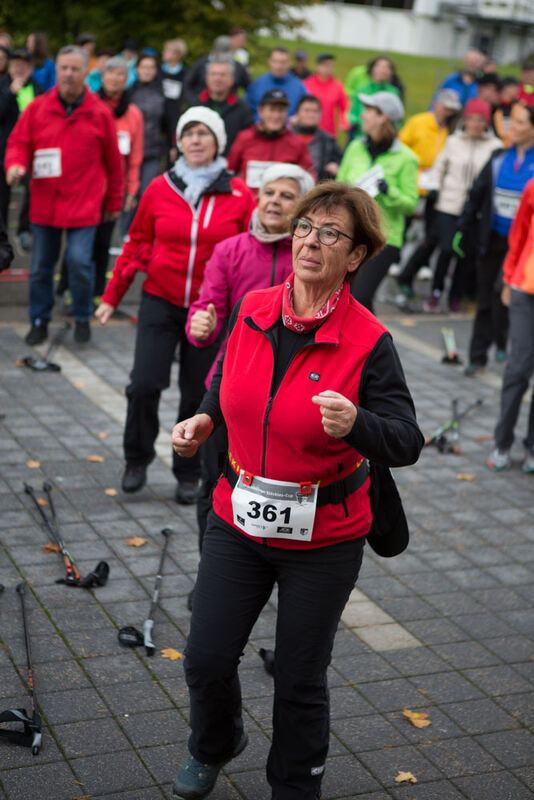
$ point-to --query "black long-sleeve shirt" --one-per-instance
(385, 430)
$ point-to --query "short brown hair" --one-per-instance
(364, 212)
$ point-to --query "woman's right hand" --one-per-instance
(104, 312)
(506, 295)
(203, 323)
(189, 434)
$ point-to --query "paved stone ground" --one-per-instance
(116, 721)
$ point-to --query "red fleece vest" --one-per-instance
(283, 438)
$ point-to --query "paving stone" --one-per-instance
(445, 687)
(347, 702)
(519, 706)
(111, 772)
(501, 784)
(385, 764)
(72, 706)
(392, 695)
(466, 654)
(437, 790)
(480, 716)
(27, 783)
(133, 697)
(498, 680)
(88, 737)
(458, 757)
(511, 748)
(156, 727)
(436, 631)
(365, 667)
(366, 733)
(345, 774)
(442, 727)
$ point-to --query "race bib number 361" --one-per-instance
(274, 509)
(47, 163)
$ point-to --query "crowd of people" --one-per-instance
(264, 215)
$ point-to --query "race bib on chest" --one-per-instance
(274, 509)
(255, 170)
(506, 202)
(171, 89)
(47, 163)
(125, 144)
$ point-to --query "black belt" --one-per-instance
(333, 493)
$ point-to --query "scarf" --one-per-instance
(259, 231)
(118, 107)
(197, 179)
(305, 324)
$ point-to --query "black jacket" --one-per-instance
(323, 149)
(9, 110)
(478, 208)
(236, 113)
(195, 81)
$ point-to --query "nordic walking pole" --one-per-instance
(35, 724)
(149, 623)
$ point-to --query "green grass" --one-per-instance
(420, 74)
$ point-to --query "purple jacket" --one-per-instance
(237, 266)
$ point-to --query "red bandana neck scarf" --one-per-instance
(305, 324)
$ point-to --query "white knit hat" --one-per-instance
(280, 170)
(208, 118)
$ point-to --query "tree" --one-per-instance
(148, 21)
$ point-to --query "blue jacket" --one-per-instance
(290, 84)
(465, 91)
(45, 75)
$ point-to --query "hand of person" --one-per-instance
(16, 85)
(203, 323)
(383, 186)
(338, 413)
(103, 312)
(189, 434)
(506, 295)
(110, 216)
(130, 202)
(14, 174)
(332, 168)
(456, 244)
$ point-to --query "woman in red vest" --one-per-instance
(310, 388)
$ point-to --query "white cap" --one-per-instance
(386, 102)
(293, 171)
(208, 118)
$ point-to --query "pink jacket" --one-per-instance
(237, 266)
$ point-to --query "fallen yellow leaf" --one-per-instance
(19, 362)
(79, 384)
(110, 492)
(103, 435)
(41, 501)
(51, 548)
(33, 464)
(418, 719)
(96, 458)
(408, 323)
(169, 652)
(405, 777)
(465, 476)
(484, 437)
(136, 541)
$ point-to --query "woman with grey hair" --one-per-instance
(259, 258)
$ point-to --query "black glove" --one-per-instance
(432, 196)
(383, 187)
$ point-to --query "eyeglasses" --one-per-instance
(196, 132)
(326, 235)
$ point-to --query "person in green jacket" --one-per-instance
(378, 76)
(387, 170)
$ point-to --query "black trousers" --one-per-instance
(103, 236)
(235, 580)
(491, 320)
(423, 253)
(160, 328)
(370, 275)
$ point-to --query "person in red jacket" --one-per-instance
(181, 217)
(267, 142)
(67, 137)
(331, 94)
(518, 296)
(310, 388)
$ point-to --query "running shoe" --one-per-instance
(528, 462)
(500, 355)
(499, 460)
(432, 304)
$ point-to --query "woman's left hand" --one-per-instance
(506, 295)
(338, 413)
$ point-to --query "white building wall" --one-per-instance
(418, 32)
